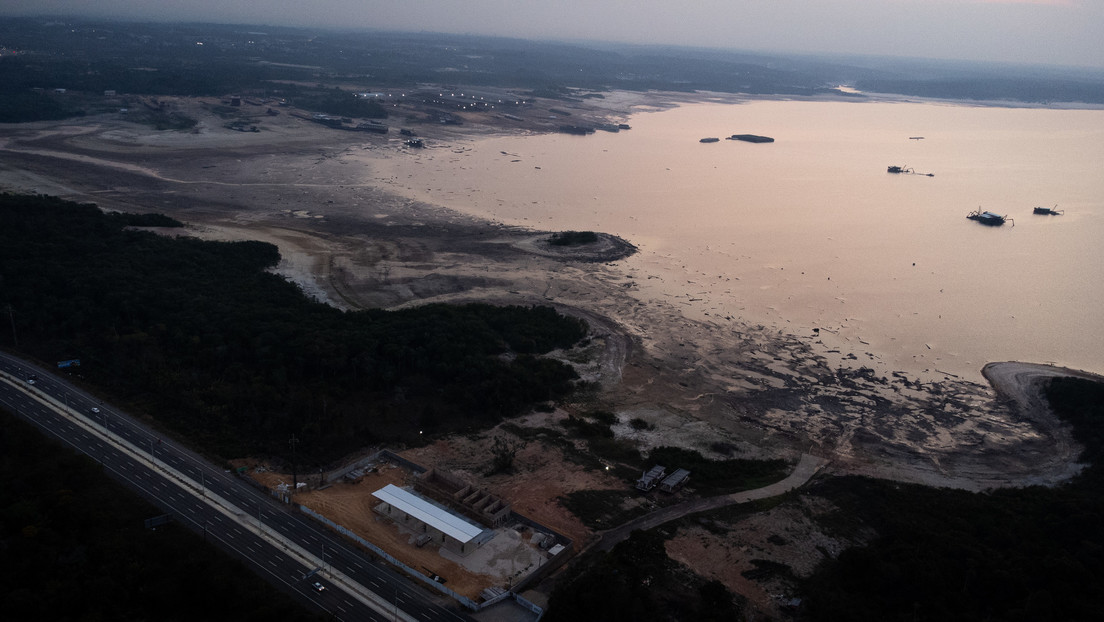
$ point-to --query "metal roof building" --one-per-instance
(436, 517)
(649, 480)
(675, 480)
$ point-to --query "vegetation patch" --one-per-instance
(237, 359)
(163, 120)
(719, 476)
(602, 509)
(1012, 554)
(573, 238)
(638, 581)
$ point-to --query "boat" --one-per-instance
(899, 169)
(1049, 211)
(989, 218)
(710, 140)
(751, 138)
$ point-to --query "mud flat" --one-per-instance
(720, 385)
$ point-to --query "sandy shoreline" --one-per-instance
(705, 384)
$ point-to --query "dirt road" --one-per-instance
(803, 472)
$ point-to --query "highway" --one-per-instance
(282, 546)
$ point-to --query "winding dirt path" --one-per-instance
(802, 473)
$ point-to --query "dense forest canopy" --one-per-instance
(237, 359)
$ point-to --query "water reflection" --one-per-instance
(812, 232)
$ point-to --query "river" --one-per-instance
(811, 232)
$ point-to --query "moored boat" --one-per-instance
(989, 218)
(1049, 211)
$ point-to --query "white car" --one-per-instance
(95, 411)
(318, 587)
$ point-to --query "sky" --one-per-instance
(1050, 32)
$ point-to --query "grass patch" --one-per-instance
(573, 238)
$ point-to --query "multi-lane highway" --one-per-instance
(284, 547)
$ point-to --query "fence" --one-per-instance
(463, 600)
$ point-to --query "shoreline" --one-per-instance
(702, 384)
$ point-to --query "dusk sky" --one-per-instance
(1064, 32)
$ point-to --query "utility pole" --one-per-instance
(294, 476)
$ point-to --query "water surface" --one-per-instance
(812, 232)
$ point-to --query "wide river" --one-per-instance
(812, 232)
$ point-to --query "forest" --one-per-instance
(235, 359)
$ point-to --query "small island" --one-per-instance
(751, 138)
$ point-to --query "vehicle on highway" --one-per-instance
(95, 411)
(318, 587)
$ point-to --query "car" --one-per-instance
(30, 380)
(95, 411)
(318, 587)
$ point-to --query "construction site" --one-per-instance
(434, 525)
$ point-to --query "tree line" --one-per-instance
(237, 359)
